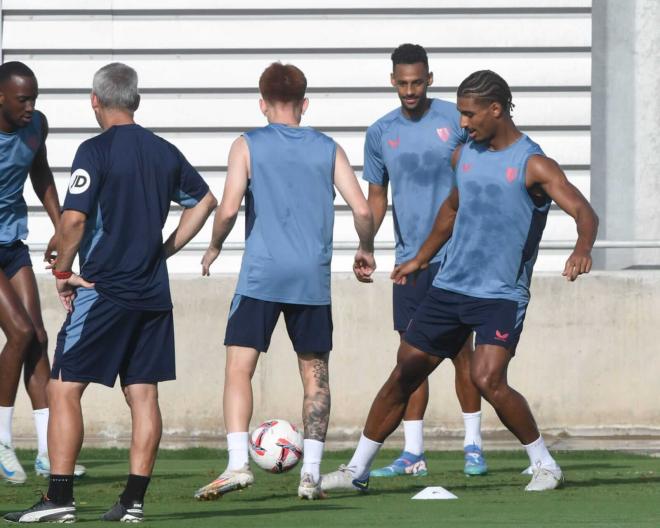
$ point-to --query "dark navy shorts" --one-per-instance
(252, 321)
(100, 340)
(407, 297)
(445, 319)
(13, 258)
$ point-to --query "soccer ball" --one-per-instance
(276, 446)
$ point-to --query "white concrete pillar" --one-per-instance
(625, 145)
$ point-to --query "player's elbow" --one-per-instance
(211, 202)
(227, 213)
(72, 221)
(362, 213)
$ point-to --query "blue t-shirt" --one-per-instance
(498, 226)
(289, 216)
(17, 152)
(415, 158)
(124, 180)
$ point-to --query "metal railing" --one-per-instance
(385, 246)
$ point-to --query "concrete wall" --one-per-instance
(587, 361)
(625, 145)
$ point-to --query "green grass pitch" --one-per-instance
(603, 489)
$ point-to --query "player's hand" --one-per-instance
(364, 265)
(401, 272)
(578, 263)
(209, 258)
(66, 289)
(49, 255)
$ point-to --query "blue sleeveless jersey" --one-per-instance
(498, 226)
(415, 158)
(289, 216)
(17, 151)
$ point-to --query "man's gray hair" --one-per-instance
(115, 85)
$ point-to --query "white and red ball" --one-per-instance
(276, 446)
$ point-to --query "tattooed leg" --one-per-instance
(316, 403)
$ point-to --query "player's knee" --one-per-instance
(21, 334)
(488, 383)
(404, 378)
(42, 338)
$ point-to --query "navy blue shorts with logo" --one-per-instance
(445, 319)
(100, 340)
(13, 258)
(252, 321)
(407, 297)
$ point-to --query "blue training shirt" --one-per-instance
(415, 157)
(17, 152)
(498, 226)
(124, 180)
(289, 216)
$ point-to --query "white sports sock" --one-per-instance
(413, 433)
(41, 425)
(237, 445)
(6, 414)
(472, 424)
(539, 455)
(363, 457)
(312, 455)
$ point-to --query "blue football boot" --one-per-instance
(475, 463)
(406, 464)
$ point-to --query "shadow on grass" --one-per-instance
(240, 512)
(566, 467)
(613, 481)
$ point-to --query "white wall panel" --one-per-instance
(210, 149)
(104, 31)
(199, 77)
(284, 4)
(325, 110)
(325, 70)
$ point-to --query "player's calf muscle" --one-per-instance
(316, 404)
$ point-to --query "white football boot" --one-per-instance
(10, 467)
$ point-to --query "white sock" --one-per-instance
(41, 425)
(312, 455)
(539, 455)
(472, 424)
(364, 456)
(237, 445)
(6, 414)
(413, 433)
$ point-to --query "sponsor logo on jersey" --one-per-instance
(394, 143)
(443, 133)
(511, 174)
(79, 181)
(467, 167)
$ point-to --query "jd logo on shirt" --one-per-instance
(79, 181)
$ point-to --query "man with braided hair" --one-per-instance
(505, 184)
(410, 149)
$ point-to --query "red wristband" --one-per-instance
(63, 275)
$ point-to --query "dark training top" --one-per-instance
(124, 180)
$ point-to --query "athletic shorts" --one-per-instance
(252, 321)
(13, 258)
(445, 319)
(100, 340)
(407, 297)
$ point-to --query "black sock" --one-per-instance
(136, 487)
(60, 489)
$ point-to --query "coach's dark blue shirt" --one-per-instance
(124, 180)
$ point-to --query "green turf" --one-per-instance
(603, 489)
